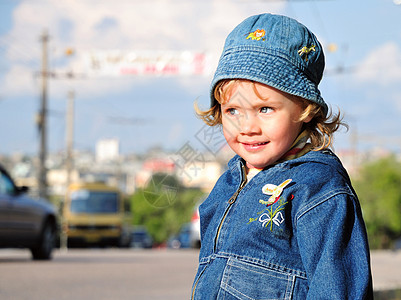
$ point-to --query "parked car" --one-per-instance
(182, 239)
(96, 214)
(195, 229)
(24, 221)
(397, 244)
(140, 238)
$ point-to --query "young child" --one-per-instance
(283, 222)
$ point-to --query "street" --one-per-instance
(98, 274)
(128, 274)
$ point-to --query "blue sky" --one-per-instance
(362, 79)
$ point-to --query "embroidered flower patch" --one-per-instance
(270, 216)
(257, 35)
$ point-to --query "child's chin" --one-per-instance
(257, 165)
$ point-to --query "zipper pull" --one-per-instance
(233, 198)
(243, 183)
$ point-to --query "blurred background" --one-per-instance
(96, 90)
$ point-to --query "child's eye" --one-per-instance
(232, 111)
(265, 110)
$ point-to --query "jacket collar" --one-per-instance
(322, 156)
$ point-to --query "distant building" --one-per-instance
(202, 175)
(152, 166)
(107, 150)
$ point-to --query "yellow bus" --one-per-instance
(96, 214)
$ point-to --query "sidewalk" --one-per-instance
(386, 269)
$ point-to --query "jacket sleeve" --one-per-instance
(334, 249)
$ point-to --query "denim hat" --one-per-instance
(274, 50)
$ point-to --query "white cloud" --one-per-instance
(382, 66)
(121, 24)
(20, 81)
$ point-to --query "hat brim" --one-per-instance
(268, 67)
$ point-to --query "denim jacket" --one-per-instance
(294, 231)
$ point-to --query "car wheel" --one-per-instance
(195, 244)
(124, 242)
(43, 251)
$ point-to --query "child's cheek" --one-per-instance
(228, 133)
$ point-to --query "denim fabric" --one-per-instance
(310, 244)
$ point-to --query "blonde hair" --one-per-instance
(320, 128)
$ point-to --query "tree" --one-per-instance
(163, 206)
(379, 190)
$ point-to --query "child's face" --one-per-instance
(260, 127)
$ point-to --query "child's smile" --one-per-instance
(254, 146)
(260, 123)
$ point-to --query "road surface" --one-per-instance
(98, 274)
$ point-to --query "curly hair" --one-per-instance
(320, 128)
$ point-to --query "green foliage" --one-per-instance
(163, 206)
(379, 190)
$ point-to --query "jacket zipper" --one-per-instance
(231, 201)
(196, 283)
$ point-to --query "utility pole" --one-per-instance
(69, 136)
(69, 162)
(42, 120)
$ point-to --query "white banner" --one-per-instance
(153, 63)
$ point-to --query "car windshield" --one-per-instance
(140, 234)
(92, 202)
(6, 185)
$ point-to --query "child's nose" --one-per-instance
(249, 125)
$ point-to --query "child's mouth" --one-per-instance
(254, 146)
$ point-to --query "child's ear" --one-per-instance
(308, 118)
